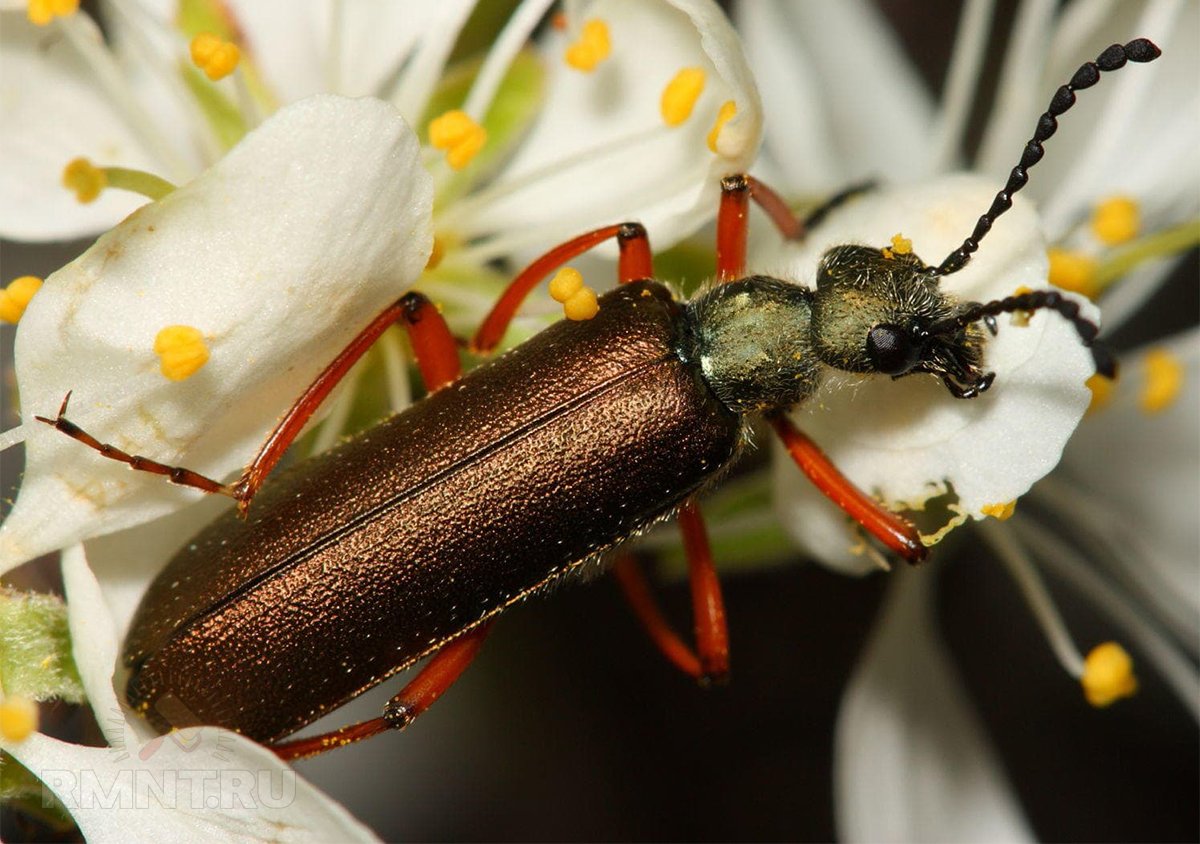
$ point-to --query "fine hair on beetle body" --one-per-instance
(407, 541)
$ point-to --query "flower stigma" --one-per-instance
(1108, 675)
(680, 95)
(182, 351)
(591, 48)
(15, 298)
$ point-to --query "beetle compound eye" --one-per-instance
(891, 350)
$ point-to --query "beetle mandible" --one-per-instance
(406, 541)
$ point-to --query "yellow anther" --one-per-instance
(15, 298)
(1003, 512)
(1116, 220)
(565, 284)
(436, 254)
(1021, 318)
(214, 55)
(591, 48)
(181, 351)
(41, 12)
(901, 245)
(1073, 271)
(680, 95)
(18, 718)
(1164, 380)
(460, 136)
(728, 110)
(583, 305)
(84, 178)
(1108, 675)
(1102, 391)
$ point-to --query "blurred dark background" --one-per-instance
(570, 726)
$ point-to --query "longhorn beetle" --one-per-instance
(406, 542)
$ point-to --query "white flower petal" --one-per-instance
(200, 784)
(54, 110)
(835, 81)
(904, 439)
(668, 179)
(912, 762)
(279, 255)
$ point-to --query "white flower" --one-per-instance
(306, 249)
(912, 760)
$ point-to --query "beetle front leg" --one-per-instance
(434, 678)
(709, 662)
(889, 528)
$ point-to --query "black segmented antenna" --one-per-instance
(1138, 50)
(1106, 364)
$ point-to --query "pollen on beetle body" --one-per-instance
(1073, 271)
(84, 178)
(1116, 220)
(1108, 675)
(458, 135)
(182, 351)
(727, 113)
(1003, 512)
(1164, 381)
(215, 56)
(1021, 318)
(680, 95)
(579, 302)
(583, 305)
(15, 298)
(566, 283)
(591, 48)
(18, 718)
(901, 245)
(42, 12)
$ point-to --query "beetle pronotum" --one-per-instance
(406, 541)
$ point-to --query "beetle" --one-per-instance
(406, 541)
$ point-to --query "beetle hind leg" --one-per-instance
(434, 678)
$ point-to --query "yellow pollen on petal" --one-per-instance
(1108, 675)
(1102, 392)
(565, 284)
(1021, 318)
(84, 178)
(460, 136)
(1116, 220)
(41, 12)
(1003, 512)
(1073, 271)
(727, 112)
(18, 718)
(680, 95)
(583, 305)
(15, 298)
(181, 350)
(591, 48)
(1163, 372)
(214, 55)
(901, 245)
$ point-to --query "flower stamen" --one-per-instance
(1164, 380)
(42, 12)
(15, 298)
(87, 181)
(591, 48)
(215, 56)
(1074, 271)
(1108, 675)
(680, 95)
(181, 350)
(1102, 392)
(18, 718)
(458, 135)
(1116, 220)
(1002, 512)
